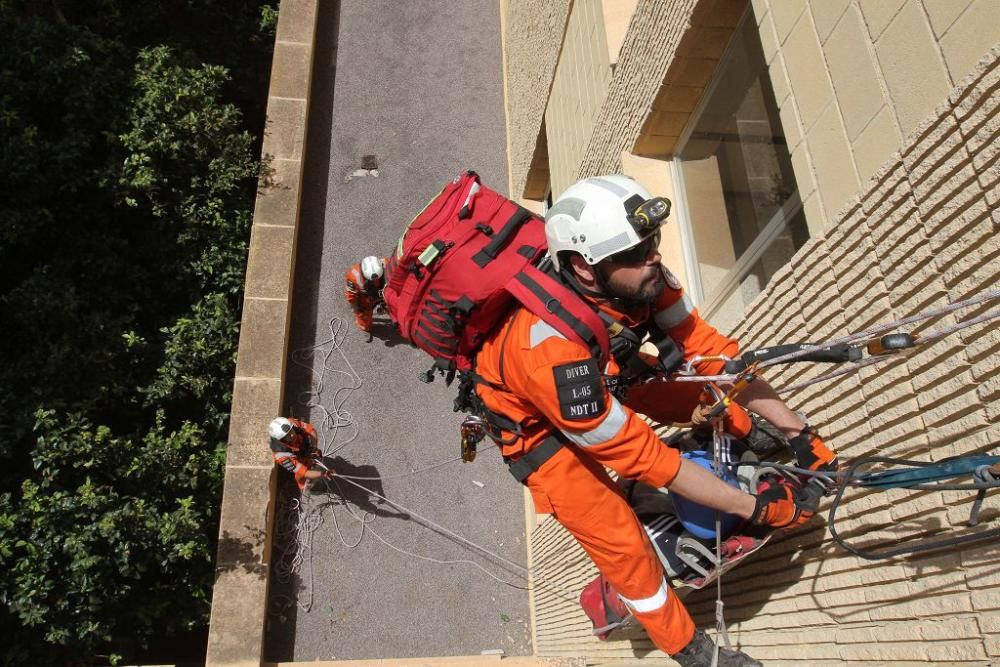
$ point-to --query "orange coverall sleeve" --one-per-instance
(352, 287)
(566, 386)
(361, 303)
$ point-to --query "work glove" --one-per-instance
(779, 506)
(812, 453)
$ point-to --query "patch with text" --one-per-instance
(670, 278)
(579, 387)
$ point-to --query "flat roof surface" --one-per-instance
(419, 87)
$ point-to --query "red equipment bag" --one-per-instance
(463, 262)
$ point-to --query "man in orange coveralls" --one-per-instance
(365, 281)
(603, 235)
(295, 448)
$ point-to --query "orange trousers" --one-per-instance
(588, 503)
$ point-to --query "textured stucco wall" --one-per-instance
(650, 45)
(923, 231)
(533, 33)
(578, 89)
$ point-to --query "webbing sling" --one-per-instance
(548, 298)
(528, 463)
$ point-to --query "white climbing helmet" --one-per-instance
(598, 217)
(279, 428)
(372, 268)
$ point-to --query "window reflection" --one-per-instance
(743, 204)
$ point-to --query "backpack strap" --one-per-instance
(562, 308)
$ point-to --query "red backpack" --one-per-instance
(460, 266)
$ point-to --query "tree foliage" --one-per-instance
(128, 133)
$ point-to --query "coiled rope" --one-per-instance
(299, 518)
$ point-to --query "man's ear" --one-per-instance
(585, 273)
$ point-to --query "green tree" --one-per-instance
(128, 132)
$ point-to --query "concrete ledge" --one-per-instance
(240, 596)
(451, 661)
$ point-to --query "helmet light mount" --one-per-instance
(649, 215)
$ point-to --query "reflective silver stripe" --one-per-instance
(673, 315)
(652, 603)
(606, 430)
(571, 206)
(612, 245)
(541, 331)
(609, 185)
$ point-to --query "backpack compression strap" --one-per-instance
(562, 308)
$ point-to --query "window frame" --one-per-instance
(730, 282)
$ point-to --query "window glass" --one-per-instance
(742, 202)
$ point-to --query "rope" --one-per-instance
(868, 334)
(722, 633)
(524, 571)
(300, 518)
(336, 418)
(925, 339)
(924, 546)
(984, 479)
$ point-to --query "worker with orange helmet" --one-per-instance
(364, 283)
(570, 417)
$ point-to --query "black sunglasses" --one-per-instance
(639, 253)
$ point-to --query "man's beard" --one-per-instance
(645, 292)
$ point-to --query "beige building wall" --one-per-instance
(532, 40)
(578, 89)
(891, 108)
(853, 77)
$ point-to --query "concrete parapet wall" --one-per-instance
(239, 602)
(923, 231)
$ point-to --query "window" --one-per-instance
(740, 205)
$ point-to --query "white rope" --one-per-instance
(721, 633)
(335, 418)
(299, 519)
(524, 572)
(925, 339)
